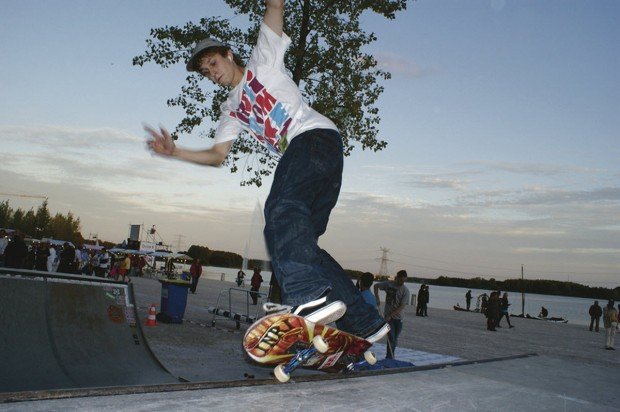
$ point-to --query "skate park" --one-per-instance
(61, 351)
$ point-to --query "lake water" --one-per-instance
(445, 297)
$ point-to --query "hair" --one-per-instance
(401, 273)
(221, 50)
(366, 279)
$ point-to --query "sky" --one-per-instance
(501, 117)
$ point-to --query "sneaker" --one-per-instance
(316, 311)
(378, 333)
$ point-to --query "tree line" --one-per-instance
(223, 259)
(40, 223)
(541, 286)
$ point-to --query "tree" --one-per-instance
(5, 214)
(325, 60)
(42, 220)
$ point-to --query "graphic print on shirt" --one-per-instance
(263, 115)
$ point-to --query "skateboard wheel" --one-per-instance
(280, 374)
(370, 357)
(320, 344)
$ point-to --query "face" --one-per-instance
(217, 68)
(400, 280)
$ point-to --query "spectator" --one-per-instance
(103, 263)
(15, 252)
(52, 259)
(66, 259)
(610, 321)
(503, 311)
(595, 315)
(4, 241)
(396, 298)
(468, 299)
(256, 281)
(240, 277)
(492, 311)
(364, 284)
(196, 271)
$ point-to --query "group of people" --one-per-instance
(610, 321)
(65, 258)
(396, 298)
(495, 308)
(42, 256)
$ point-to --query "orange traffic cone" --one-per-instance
(151, 320)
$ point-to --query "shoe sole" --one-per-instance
(378, 334)
(328, 314)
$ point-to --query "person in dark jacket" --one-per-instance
(503, 310)
(195, 271)
(468, 299)
(16, 252)
(595, 315)
(256, 281)
(492, 311)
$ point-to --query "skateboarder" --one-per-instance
(264, 102)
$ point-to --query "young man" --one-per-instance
(265, 102)
(255, 283)
(366, 281)
(595, 312)
(610, 321)
(396, 298)
(195, 272)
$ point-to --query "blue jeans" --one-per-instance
(305, 189)
(396, 325)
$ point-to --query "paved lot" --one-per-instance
(572, 371)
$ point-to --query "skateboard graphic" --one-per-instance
(290, 341)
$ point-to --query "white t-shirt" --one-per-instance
(267, 103)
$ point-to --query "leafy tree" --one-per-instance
(325, 60)
(66, 228)
(5, 214)
(42, 220)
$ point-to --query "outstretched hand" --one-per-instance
(160, 140)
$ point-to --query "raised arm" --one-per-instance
(274, 16)
(161, 143)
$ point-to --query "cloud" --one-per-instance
(535, 169)
(399, 65)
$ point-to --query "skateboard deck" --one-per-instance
(290, 341)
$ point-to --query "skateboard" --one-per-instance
(290, 341)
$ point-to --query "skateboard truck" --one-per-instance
(283, 371)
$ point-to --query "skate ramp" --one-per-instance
(62, 331)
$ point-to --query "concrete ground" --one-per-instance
(570, 372)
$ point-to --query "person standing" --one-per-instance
(52, 258)
(468, 299)
(595, 315)
(125, 267)
(15, 252)
(503, 311)
(195, 271)
(365, 283)
(610, 321)
(418, 306)
(492, 312)
(255, 282)
(103, 263)
(240, 277)
(484, 303)
(265, 104)
(4, 241)
(425, 299)
(396, 298)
